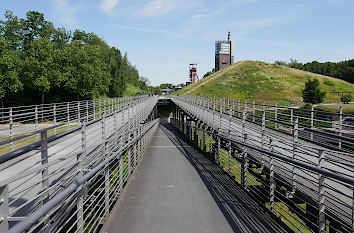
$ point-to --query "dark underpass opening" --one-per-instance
(164, 110)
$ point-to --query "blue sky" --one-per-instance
(162, 37)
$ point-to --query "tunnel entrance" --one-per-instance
(164, 110)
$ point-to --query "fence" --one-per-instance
(70, 181)
(329, 129)
(309, 187)
(24, 120)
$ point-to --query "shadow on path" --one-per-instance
(243, 213)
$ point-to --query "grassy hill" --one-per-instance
(260, 80)
(133, 91)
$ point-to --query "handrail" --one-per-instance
(36, 215)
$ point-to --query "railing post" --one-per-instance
(87, 111)
(106, 168)
(340, 126)
(244, 165)
(11, 129)
(239, 108)
(295, 143)
(129, 160)
(253, 110)
(36, 120)
(291, 113)
(4, 208)
(276, 115)
(94, 109)
(80, 193)
(312, 113)
(271, 178)
(263, 135)
(321, 195)
(44, 158)
(78, 112)
(229, 156)
(55, 118)
(218, 152)
(68, 112)
(243, 120)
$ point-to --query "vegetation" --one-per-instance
(342, 70)
(209, 73)
(346, 98)
(260, 80)
(41, 63)
(312, 92)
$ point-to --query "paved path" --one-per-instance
(176, 189)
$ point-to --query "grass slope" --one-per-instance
(260, 80)
(133, 91)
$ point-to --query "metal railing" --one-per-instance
(22, 121)
(330, 129)
(70, 181)
(308, 186)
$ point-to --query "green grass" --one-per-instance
(260, 80)
(347, 108)
(133, 91)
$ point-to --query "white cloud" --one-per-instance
(108, 5)
(140, 29)
(66, 11)
(157, 7)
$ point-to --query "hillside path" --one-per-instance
(216, 76)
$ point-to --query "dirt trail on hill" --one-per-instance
(216, 76)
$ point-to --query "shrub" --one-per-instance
(329, 83)
(312, 92)
(346, 98)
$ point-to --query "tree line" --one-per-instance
(342, 70)
(41, 64)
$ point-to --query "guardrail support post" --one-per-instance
(291, 113)
(312, 113)
(321, 195)
(218, 152)
(36, 120)
(4, 208)
(55, 118)
(78, 113)
(244, 165)
(11, 130)
(68, 112)
(271, 179)
(229, 157)
(239, 108)
(253, 110)
(276, 114)
(340, 126)
(295, 144)
(44, 157)
(80, 193)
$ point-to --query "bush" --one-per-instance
(312, 92)
(346, 98)
(329, 83)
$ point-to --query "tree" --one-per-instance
(157, 90)
(165, 85)
(86, 74)
(11, 30)
(34, 26)
(346, 98)
(9, 80)
(312, 92)
(39, 68)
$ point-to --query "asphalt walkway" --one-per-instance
(176, 189)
